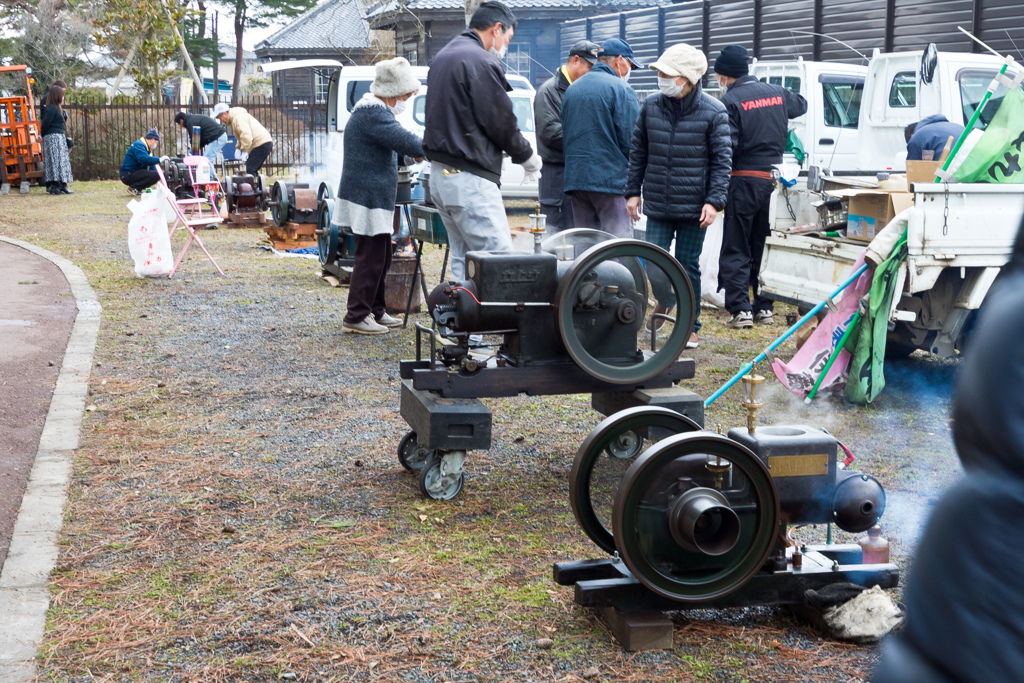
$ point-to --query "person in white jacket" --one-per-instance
(250, 135)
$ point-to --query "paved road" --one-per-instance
(37, 311)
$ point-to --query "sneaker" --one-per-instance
(132, 191)
(740, 321)
(692, 342)
(658, 323)
(388, 320)
(364, 326)
(764, 317)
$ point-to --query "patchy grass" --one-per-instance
(237, 511)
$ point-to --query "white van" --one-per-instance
(349, 83)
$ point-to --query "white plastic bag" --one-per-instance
(148, 241)
(709, 290)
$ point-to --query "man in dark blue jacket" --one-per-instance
(759, 116)
(138, 170)
(930, 134)
(680, 159)
(547, 114)
(470, 122)
(598, 114)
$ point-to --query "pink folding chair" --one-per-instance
(189, 214)
(201, 174)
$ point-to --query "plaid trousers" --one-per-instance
(689, 237)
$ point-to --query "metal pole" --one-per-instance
(775, 344)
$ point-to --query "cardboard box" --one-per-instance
(921, 172)
(871, 210)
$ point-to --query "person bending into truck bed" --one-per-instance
(759, 116)
(373, 142)
(928, 137)
(470, 121)
(138, 170)
(252, 139)
(212, 136)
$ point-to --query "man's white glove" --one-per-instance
(532, 167)
(164, 158)
(240, 155)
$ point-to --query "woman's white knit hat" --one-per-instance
(682, 60)
(394, 78)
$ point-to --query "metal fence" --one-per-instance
(102, 133)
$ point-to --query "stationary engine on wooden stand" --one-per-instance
(178, 179)
(702, 520)
(247, 199)
(294, 208)
(336, 245)
(571, 317)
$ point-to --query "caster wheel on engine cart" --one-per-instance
(411, 454)
(436, 483)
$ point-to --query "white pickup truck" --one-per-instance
(959, 235)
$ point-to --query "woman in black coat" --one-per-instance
(56, 160)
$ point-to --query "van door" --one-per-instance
(836, 144)
(352, 90)
(332, 103)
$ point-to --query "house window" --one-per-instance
(517, 61)
(322, 83)
(410, 52)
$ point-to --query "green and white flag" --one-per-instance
(998, 156)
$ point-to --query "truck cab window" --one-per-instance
(790, 83)
(419, 110)
(903, 92)
(356, 90)
(841, 97)
(973, 85)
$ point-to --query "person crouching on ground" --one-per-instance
(138, 170)
(369, 187)
(681, 155)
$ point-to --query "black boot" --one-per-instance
(64, 189)
(51, 188)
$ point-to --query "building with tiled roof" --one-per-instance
(334, 29)
(422, 27)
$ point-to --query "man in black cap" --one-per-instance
(759, 116)
(547, 114)
(598, 115)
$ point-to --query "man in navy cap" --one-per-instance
(547, 114)
(759, 116)
(598, 114)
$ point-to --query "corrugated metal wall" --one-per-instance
(769, 28)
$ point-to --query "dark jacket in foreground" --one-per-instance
(598, 113)
(965, 606)
(681, 160)
(932, 133)
(469, 116)
(209, 128)
(759, 115)
(137, 158)
(547, 116)
(369, 173)
(53, 121)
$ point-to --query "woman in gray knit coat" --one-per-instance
(369, 186)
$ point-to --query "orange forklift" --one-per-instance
(21, 149)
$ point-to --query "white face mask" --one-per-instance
(625, 76)
(669, 88)
(399, 107)
(500, 54)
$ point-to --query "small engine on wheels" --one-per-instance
(571, 319)
(247, 199)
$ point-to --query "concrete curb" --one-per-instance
(24, 591)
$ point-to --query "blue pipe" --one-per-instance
(775, 344)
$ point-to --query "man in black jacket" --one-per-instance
(759, 116)
(212, 136)
(547, 114)
(680, 157)
(470, 121)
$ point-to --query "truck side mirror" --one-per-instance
(929, 60)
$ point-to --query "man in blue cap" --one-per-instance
(598, 114)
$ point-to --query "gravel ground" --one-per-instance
(238, 513)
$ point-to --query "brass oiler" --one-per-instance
(751, 401)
